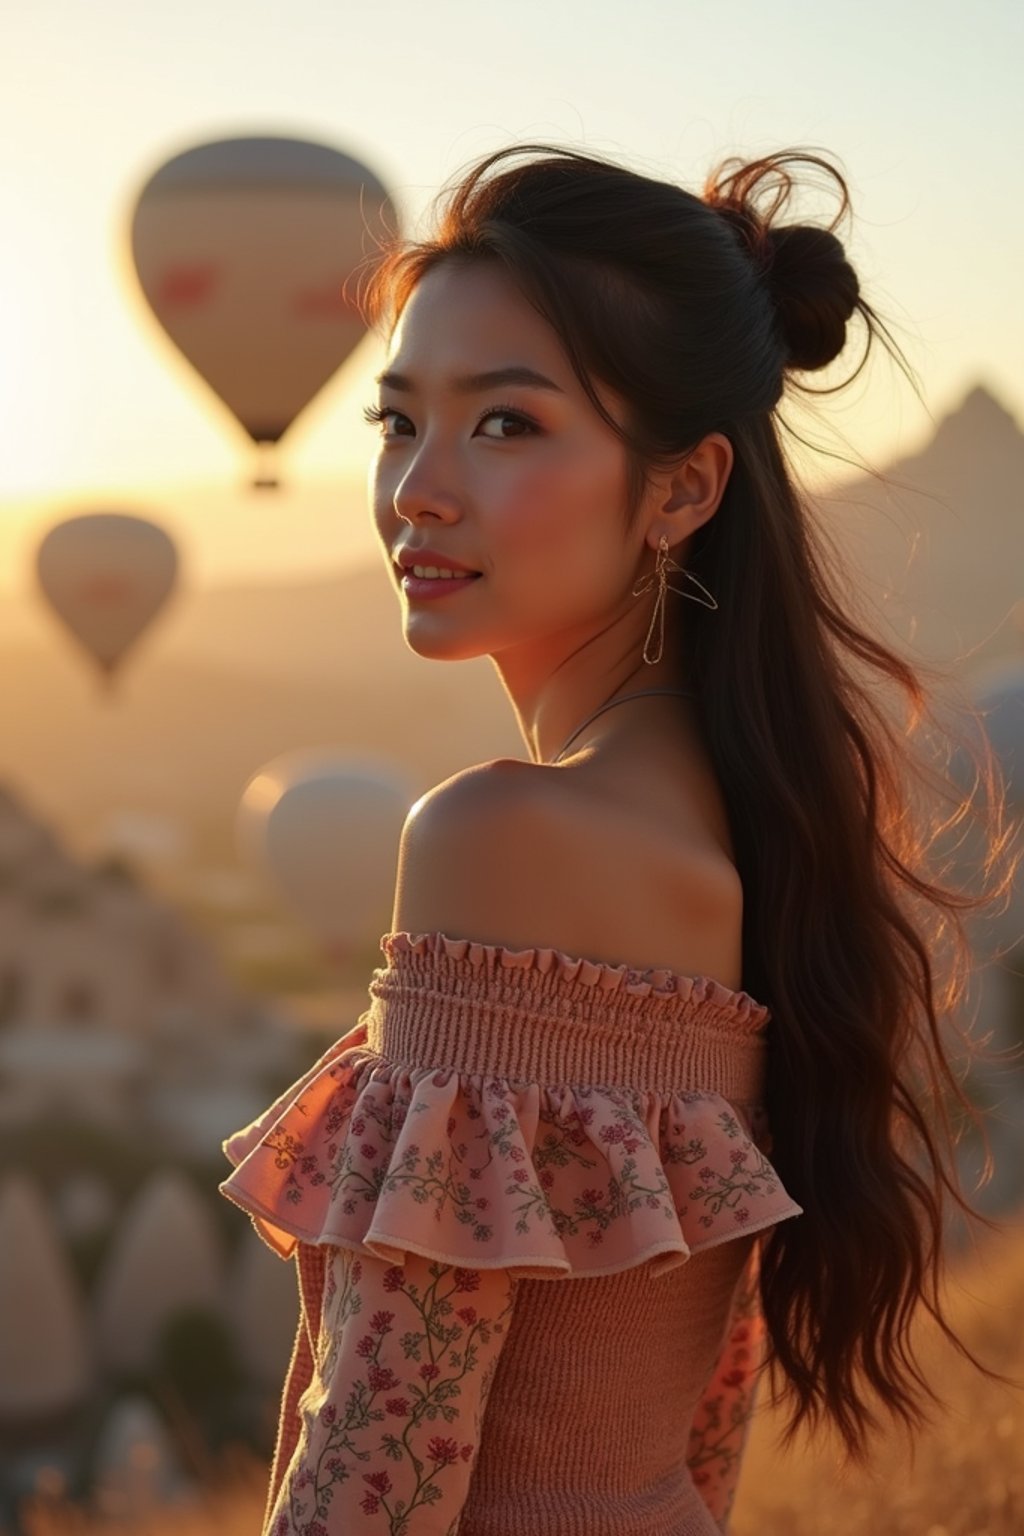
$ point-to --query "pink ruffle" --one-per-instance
(482, 1171)
(655, 991)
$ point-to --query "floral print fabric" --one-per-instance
(721, 1423)
(390, 1424)
(384, 1432)
(417, 1171)
(390, 1159)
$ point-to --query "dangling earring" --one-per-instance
(663, 564)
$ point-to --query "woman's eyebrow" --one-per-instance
(514, 373)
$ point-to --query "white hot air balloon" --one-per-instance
(106, 575)
(326, 828)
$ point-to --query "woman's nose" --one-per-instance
(423, 489)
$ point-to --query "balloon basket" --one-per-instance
(265, 478)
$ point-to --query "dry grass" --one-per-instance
(966, 1478)
(234, 1508)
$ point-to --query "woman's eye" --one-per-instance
(380, 413)
(375, 413)
(506, 413)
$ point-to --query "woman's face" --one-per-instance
(522, 482)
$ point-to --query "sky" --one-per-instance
(919, 103)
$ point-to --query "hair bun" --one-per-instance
(814, 289)
(805, 267)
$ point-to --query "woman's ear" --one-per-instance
(697, 483)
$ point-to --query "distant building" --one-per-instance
(113, 1011)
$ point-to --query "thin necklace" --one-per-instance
(681, 692)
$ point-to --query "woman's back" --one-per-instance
(646, 808)
(625, 852)
(589, 1426)
(520, 1133)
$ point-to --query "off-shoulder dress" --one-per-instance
(523, 1195)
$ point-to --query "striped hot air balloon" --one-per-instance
(249, 251)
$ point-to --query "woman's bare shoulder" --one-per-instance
(666, 890)
(521, 854)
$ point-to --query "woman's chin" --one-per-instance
(441, 647)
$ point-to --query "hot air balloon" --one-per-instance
(326, 828)
(249, 250)
(106, 575)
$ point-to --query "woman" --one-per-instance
(543, 1256)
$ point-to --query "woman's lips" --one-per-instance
(436, 586)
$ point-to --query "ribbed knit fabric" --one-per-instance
(588, 1425)
(524, 1194)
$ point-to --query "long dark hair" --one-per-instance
(698, 311)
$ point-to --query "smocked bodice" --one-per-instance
(524, 1117)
